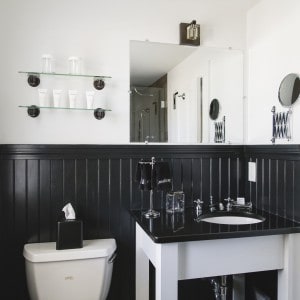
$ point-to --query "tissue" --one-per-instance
(69, 212)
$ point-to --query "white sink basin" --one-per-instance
(232, 218)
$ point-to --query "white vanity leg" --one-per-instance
(166, 275)
(289, 276)
(141, 269)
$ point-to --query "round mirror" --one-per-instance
(214, 109)
(289, 90)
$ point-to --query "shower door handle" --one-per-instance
(155, 107)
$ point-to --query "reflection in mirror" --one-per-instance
(171, 87)
(148, 114)
(149, 65)
(289, 90)
(214, 109)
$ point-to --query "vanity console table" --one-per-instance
(181, 248)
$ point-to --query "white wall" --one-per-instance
(273, 52)
(222, 74)
(98, 31)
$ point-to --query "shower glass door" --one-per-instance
(148, 120)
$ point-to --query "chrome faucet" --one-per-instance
(247, 205)
(229, 203)
(233, 204)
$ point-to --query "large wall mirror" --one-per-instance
(172, 86)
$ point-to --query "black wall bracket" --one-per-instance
(33, 80)
(99, 84)
(99, 113)
(33, 111)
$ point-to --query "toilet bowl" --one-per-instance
(73, 274)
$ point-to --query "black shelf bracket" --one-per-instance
(33, 80)
(99, 113)
(33, 111)
(99, 84)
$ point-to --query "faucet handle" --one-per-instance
(228, 200)
(199, 202)
(212, 205)
(229, 203)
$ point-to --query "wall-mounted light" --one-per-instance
(190, 33)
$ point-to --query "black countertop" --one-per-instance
(182, 227)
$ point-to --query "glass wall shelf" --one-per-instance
(68, 108)
(34, 110)
(34, 78)
(64, 74)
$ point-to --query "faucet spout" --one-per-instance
(212, 205)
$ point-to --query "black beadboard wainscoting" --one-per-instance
(36, 181)
(277, 188)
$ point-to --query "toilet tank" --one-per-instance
(77, 274)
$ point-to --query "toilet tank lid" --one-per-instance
(46, 252)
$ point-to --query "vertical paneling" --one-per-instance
(135, 199)
(33, 186)
(289, 189)
(205, 185)
(69, 181)
(281, 184)
(45, 200)
(196, 178)
(259, 184)
(214, 179)
(100, 184)
(8, 199)
(297, 191)
(278, 171)
(104, 179)
(177, 169)
(127, 257)
(56, 190)
(20, 212)
(273, 186)
(265, 184)
(91, 209)
(187, 187)
(241, 176)
(114, 225)
(81, 187)
(224, 178)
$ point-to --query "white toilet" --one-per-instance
(73, 274)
